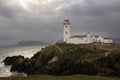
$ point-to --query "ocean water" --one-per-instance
(26, 51)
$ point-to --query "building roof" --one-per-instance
(66, 22)
(79, 36)
(107, 38)
(84, 36)
(96, 36)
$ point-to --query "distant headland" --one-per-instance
(30, 43)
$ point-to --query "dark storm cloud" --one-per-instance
(95, 15)
(42, 20)
(92, 8)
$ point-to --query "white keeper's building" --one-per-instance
(81, 39)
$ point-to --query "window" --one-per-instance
(66, 32)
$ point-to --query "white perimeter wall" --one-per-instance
(88, 40)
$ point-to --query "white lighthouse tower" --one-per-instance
(66, 30)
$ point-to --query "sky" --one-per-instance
(42, 20)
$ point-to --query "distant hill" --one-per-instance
(116, 40)
(30, 43)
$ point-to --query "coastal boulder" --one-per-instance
(12, 60)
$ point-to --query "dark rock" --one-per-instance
(23, 66)
(12, 60)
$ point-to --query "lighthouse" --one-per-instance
(66, 29)
(81, 39)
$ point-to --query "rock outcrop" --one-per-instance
(14, 59)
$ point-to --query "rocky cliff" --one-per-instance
(67, 59)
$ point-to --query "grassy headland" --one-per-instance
(69, 59)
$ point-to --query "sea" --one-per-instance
(9, 51)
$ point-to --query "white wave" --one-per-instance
(18, 74)
(4, 70)
(24, 51)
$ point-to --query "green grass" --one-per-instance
(73, 77)
(73, 52)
